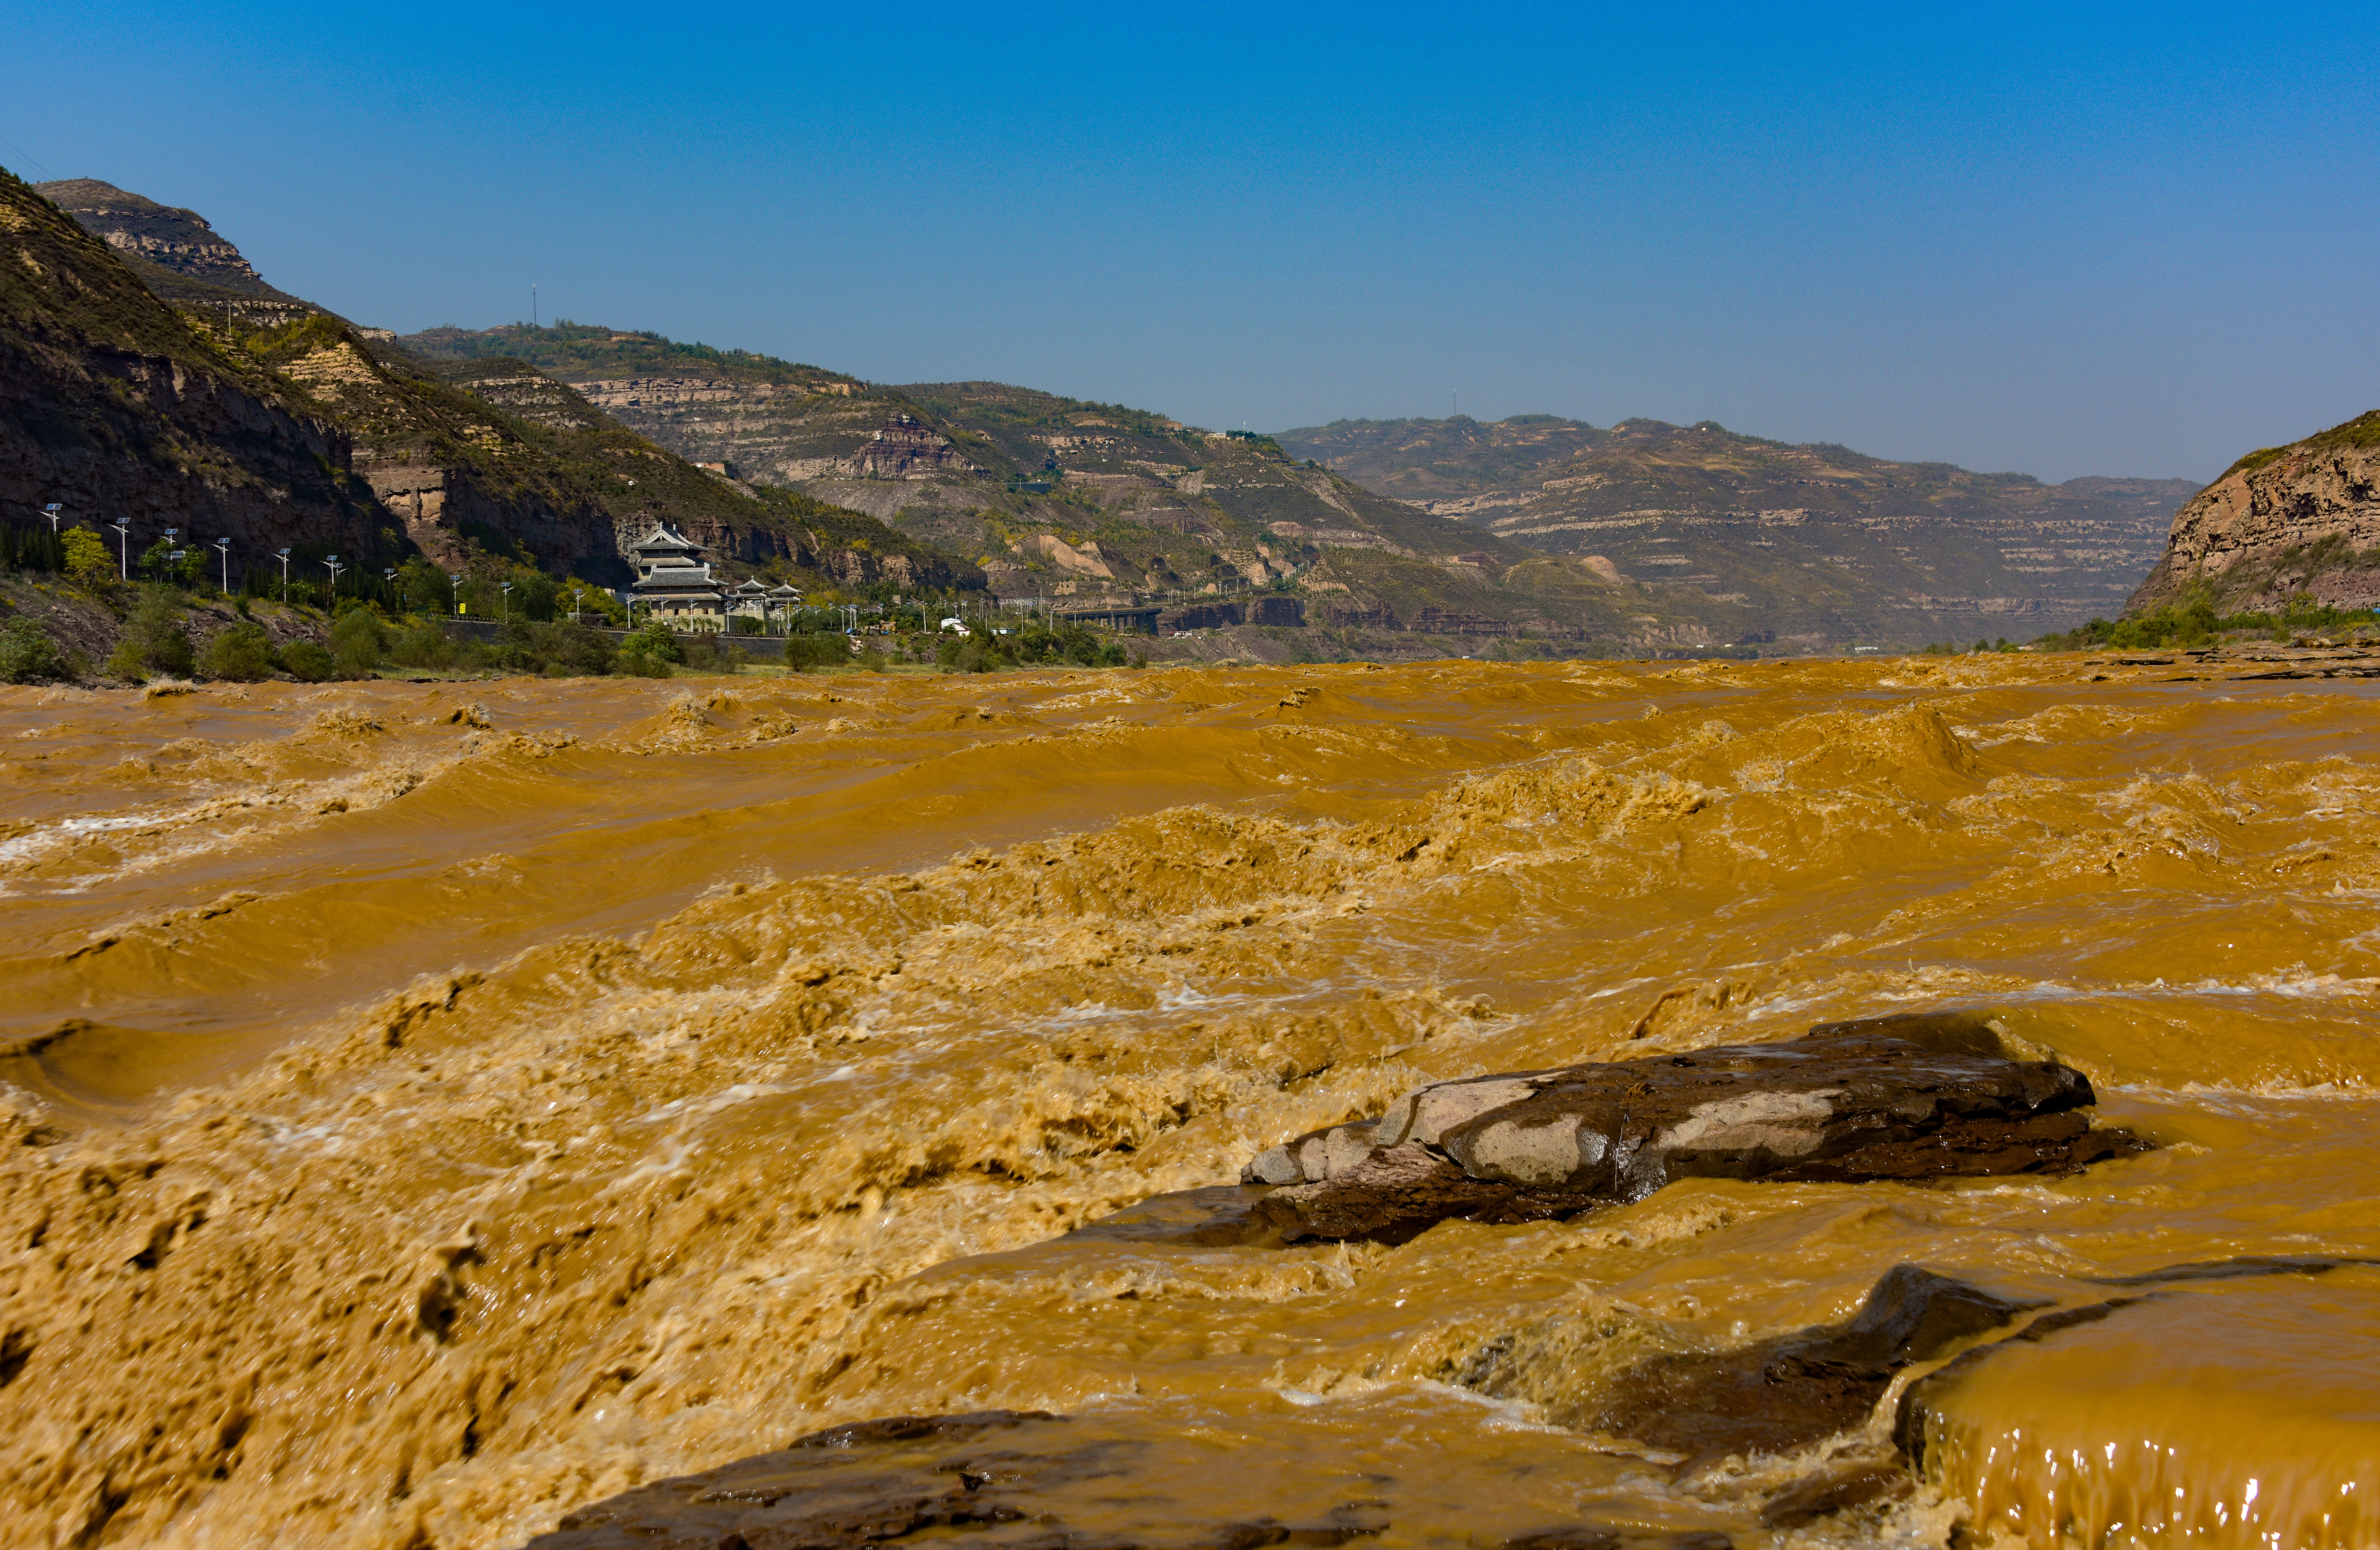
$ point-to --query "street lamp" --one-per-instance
(454, 580)
(508, 602)
(334, 566)
(51, 510)
(284, 575)
(123, 547)
(222, 547)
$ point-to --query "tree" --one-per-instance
(88, 560)
(26, 652)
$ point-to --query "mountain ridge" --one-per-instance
(1817, 538)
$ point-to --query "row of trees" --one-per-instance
(2195, 621)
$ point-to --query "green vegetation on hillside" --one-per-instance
(2195, 621)
(582, 349)
(2361, 432)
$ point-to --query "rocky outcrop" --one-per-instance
(2296, 521)
(182, 257)
(1843, 1104)
(907, 447)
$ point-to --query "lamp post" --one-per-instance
(508, 602)
(123, 547)
(174, 558)
(284, 575)
(453, 597)
(52, 511)
(334, 566)
(222, 547)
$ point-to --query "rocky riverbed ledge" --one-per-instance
(1905, 1098)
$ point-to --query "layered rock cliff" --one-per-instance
(2301, 520)
(1815, 543)
(126, 392)
(177, 253)
(114, 405)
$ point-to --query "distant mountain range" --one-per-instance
(1816, 541)
(1641, 537)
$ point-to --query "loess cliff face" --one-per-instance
(114, 405)
(2289, 521)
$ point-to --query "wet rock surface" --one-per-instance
(1000, 1473)
(1915, 1097)
(1782, 1393)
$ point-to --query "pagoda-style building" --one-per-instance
(674, 583)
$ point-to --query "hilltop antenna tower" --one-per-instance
(532, 303)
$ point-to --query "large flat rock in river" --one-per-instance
(1893, 1100)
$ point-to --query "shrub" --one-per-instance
(242, 653)
(708, 653)
(585, 653)
(153, 639)
(806, 651)
(655, 639)
(423, 645)
(306, 660)
(357, 642)
(27, 653)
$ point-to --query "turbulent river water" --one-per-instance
(431, 1108)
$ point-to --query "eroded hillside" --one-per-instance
(1071, 499)
(1817, 540)
(2301, 520)
(136, 384)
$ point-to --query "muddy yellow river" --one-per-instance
(431, 1108)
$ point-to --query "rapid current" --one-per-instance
(433, 1107)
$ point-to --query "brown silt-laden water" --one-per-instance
(446, 1115)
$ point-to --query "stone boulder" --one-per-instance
(1908, 1098)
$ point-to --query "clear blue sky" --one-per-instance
(2060, 242)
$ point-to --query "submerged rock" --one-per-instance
(1905, 1098)
(1781, 1393)
(854, 1486)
